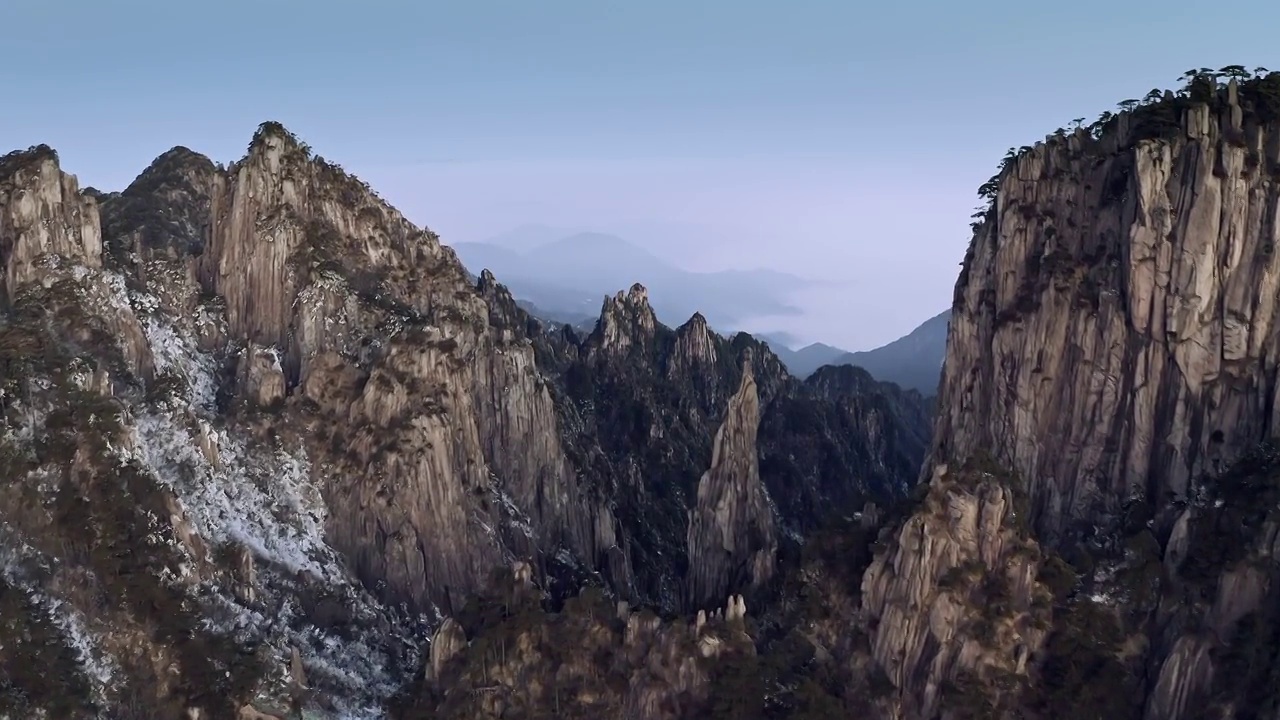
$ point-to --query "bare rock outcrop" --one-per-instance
(953, 601)
(449, 640)
(260, 376)
(732, 535)
(260, 429)
(1113, 342)
(43, 218)
(626, 321)
(1113, 325)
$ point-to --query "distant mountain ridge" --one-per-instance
(567, 276)
(561, 278)
(804, 361)
(913, 361)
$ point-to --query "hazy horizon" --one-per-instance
(826, 139)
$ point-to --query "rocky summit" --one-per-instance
(264, 439)
(269, 451)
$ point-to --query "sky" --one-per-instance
(838, 140)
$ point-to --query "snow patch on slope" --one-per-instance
(172, 354)
(263, 500)
(98, 667)
(262, 497)
(235, 493)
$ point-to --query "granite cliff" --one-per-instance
(268, 449)
(733, 542)
(1095, 531)
(1112, 345)
(263, 438)
(641, 406)
(1119, 297)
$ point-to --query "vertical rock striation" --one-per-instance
(310, 430)
(1113, 329)
(1113, 342)
(732, 536)
(408, 377)
(952, 602)
(43, 218)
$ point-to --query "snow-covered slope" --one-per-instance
(242, 531)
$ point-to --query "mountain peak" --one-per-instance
(636, 296)
(32, 185)
(626, 317)
(171, 162)
(694, 343)
(12, 163)
(273, 134)
(179, 153)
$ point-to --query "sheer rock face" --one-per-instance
(455, 432)
(1113, 331)
(733, 540)
(1218, 604)
(43, 217)
(320, 417)
(954, 597)
(695, 348)
(1113, 342)
(407, 378)
(640, 424)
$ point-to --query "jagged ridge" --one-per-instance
(267, 342)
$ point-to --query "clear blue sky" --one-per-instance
(840, 140)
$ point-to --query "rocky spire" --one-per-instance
(732, 539)
(626, 319)
(43, 215)
(694, 346)
(924, 594)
